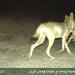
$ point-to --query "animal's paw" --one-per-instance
(30, 55)
(61, 51)
(52, 58)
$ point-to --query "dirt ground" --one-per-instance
(15, 45)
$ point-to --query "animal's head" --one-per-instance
(70, 20)
(66, 18)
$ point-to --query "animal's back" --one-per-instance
(56, 28)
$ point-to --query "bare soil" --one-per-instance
(15, 45)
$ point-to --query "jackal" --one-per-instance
(53, 30)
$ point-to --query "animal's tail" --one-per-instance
(37, 33)
(35, 36)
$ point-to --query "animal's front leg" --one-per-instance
(70, 39)
(67, 48)
(39, 41)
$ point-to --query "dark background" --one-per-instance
(44, 9)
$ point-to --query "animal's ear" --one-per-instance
(66, 18)
(71, 16)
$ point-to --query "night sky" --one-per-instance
(41, 8)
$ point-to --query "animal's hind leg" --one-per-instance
(51, 41)
(39, 41)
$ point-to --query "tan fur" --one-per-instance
(53, 30)
(72, 36)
